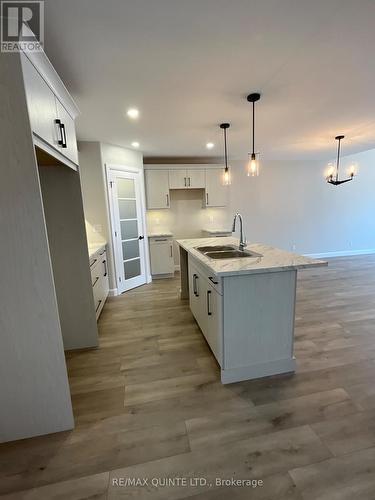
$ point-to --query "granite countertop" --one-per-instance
(272, 260)
(95, 247)
(216, 230)
(160, 234)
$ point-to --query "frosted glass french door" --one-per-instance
(128, 231)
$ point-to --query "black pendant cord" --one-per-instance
(338, 159)
(224, 126)
(225, 150)
(253, 130)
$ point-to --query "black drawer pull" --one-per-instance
(97, 307)
(213, 281)
(93, 262)
(208, 303)
(95, 282)
(105, 267)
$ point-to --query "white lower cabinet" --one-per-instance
(161, 256)
(99, 279)
(206, 304)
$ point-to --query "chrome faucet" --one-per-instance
(243, 241)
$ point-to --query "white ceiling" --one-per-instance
(189, 64)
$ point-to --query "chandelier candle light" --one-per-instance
(253, 163)
(334, 179)
(226, 175)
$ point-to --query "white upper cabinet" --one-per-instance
(67, 132)
(41, 103)
(51, 109)
(160, 180)
(196, 178)
(157, 189)
(177, 179)
(191, 178)
(216, 192)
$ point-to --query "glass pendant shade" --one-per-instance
(226, 177)
(253, 166)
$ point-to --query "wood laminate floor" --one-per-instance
(149, 404)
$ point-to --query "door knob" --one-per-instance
(141, 237)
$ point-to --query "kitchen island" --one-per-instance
(244, 306)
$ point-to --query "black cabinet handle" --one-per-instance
(185, 181)
(105, 267)
(171, 251)
(97, 307)
(167, 195)
(195, 284)
(213, 281)
(60, 141)
(207, 198)
(93, 262)
(63, 133)
(95, 282)
(189, 181)
(208, 303)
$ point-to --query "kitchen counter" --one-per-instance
(160, 234)
(245, 307)
(95, 247)
(272, 260)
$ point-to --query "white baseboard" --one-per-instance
(340, 253)
(113, 292)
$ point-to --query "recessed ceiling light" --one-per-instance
(210, 145)
(132, 113)
(135, 144)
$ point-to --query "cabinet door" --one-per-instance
(216, 192)
(68, 131)
(214, 324)
(157, 189)
(178, 179)
(161, 251)
(41, 104)
(196, 296)
(196, 178)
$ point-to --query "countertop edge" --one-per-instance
(261, 270)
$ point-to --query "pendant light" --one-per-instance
(226, 173)
(253, 163)
(334, 179)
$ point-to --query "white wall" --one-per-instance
(289, 205)
(93, 159)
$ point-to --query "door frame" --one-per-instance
(109, 168)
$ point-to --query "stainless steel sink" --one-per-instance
(232, 254)
(226, 252)
(216, 248)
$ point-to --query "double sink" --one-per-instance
(226, 252)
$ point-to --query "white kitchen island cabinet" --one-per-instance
(245, 307)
